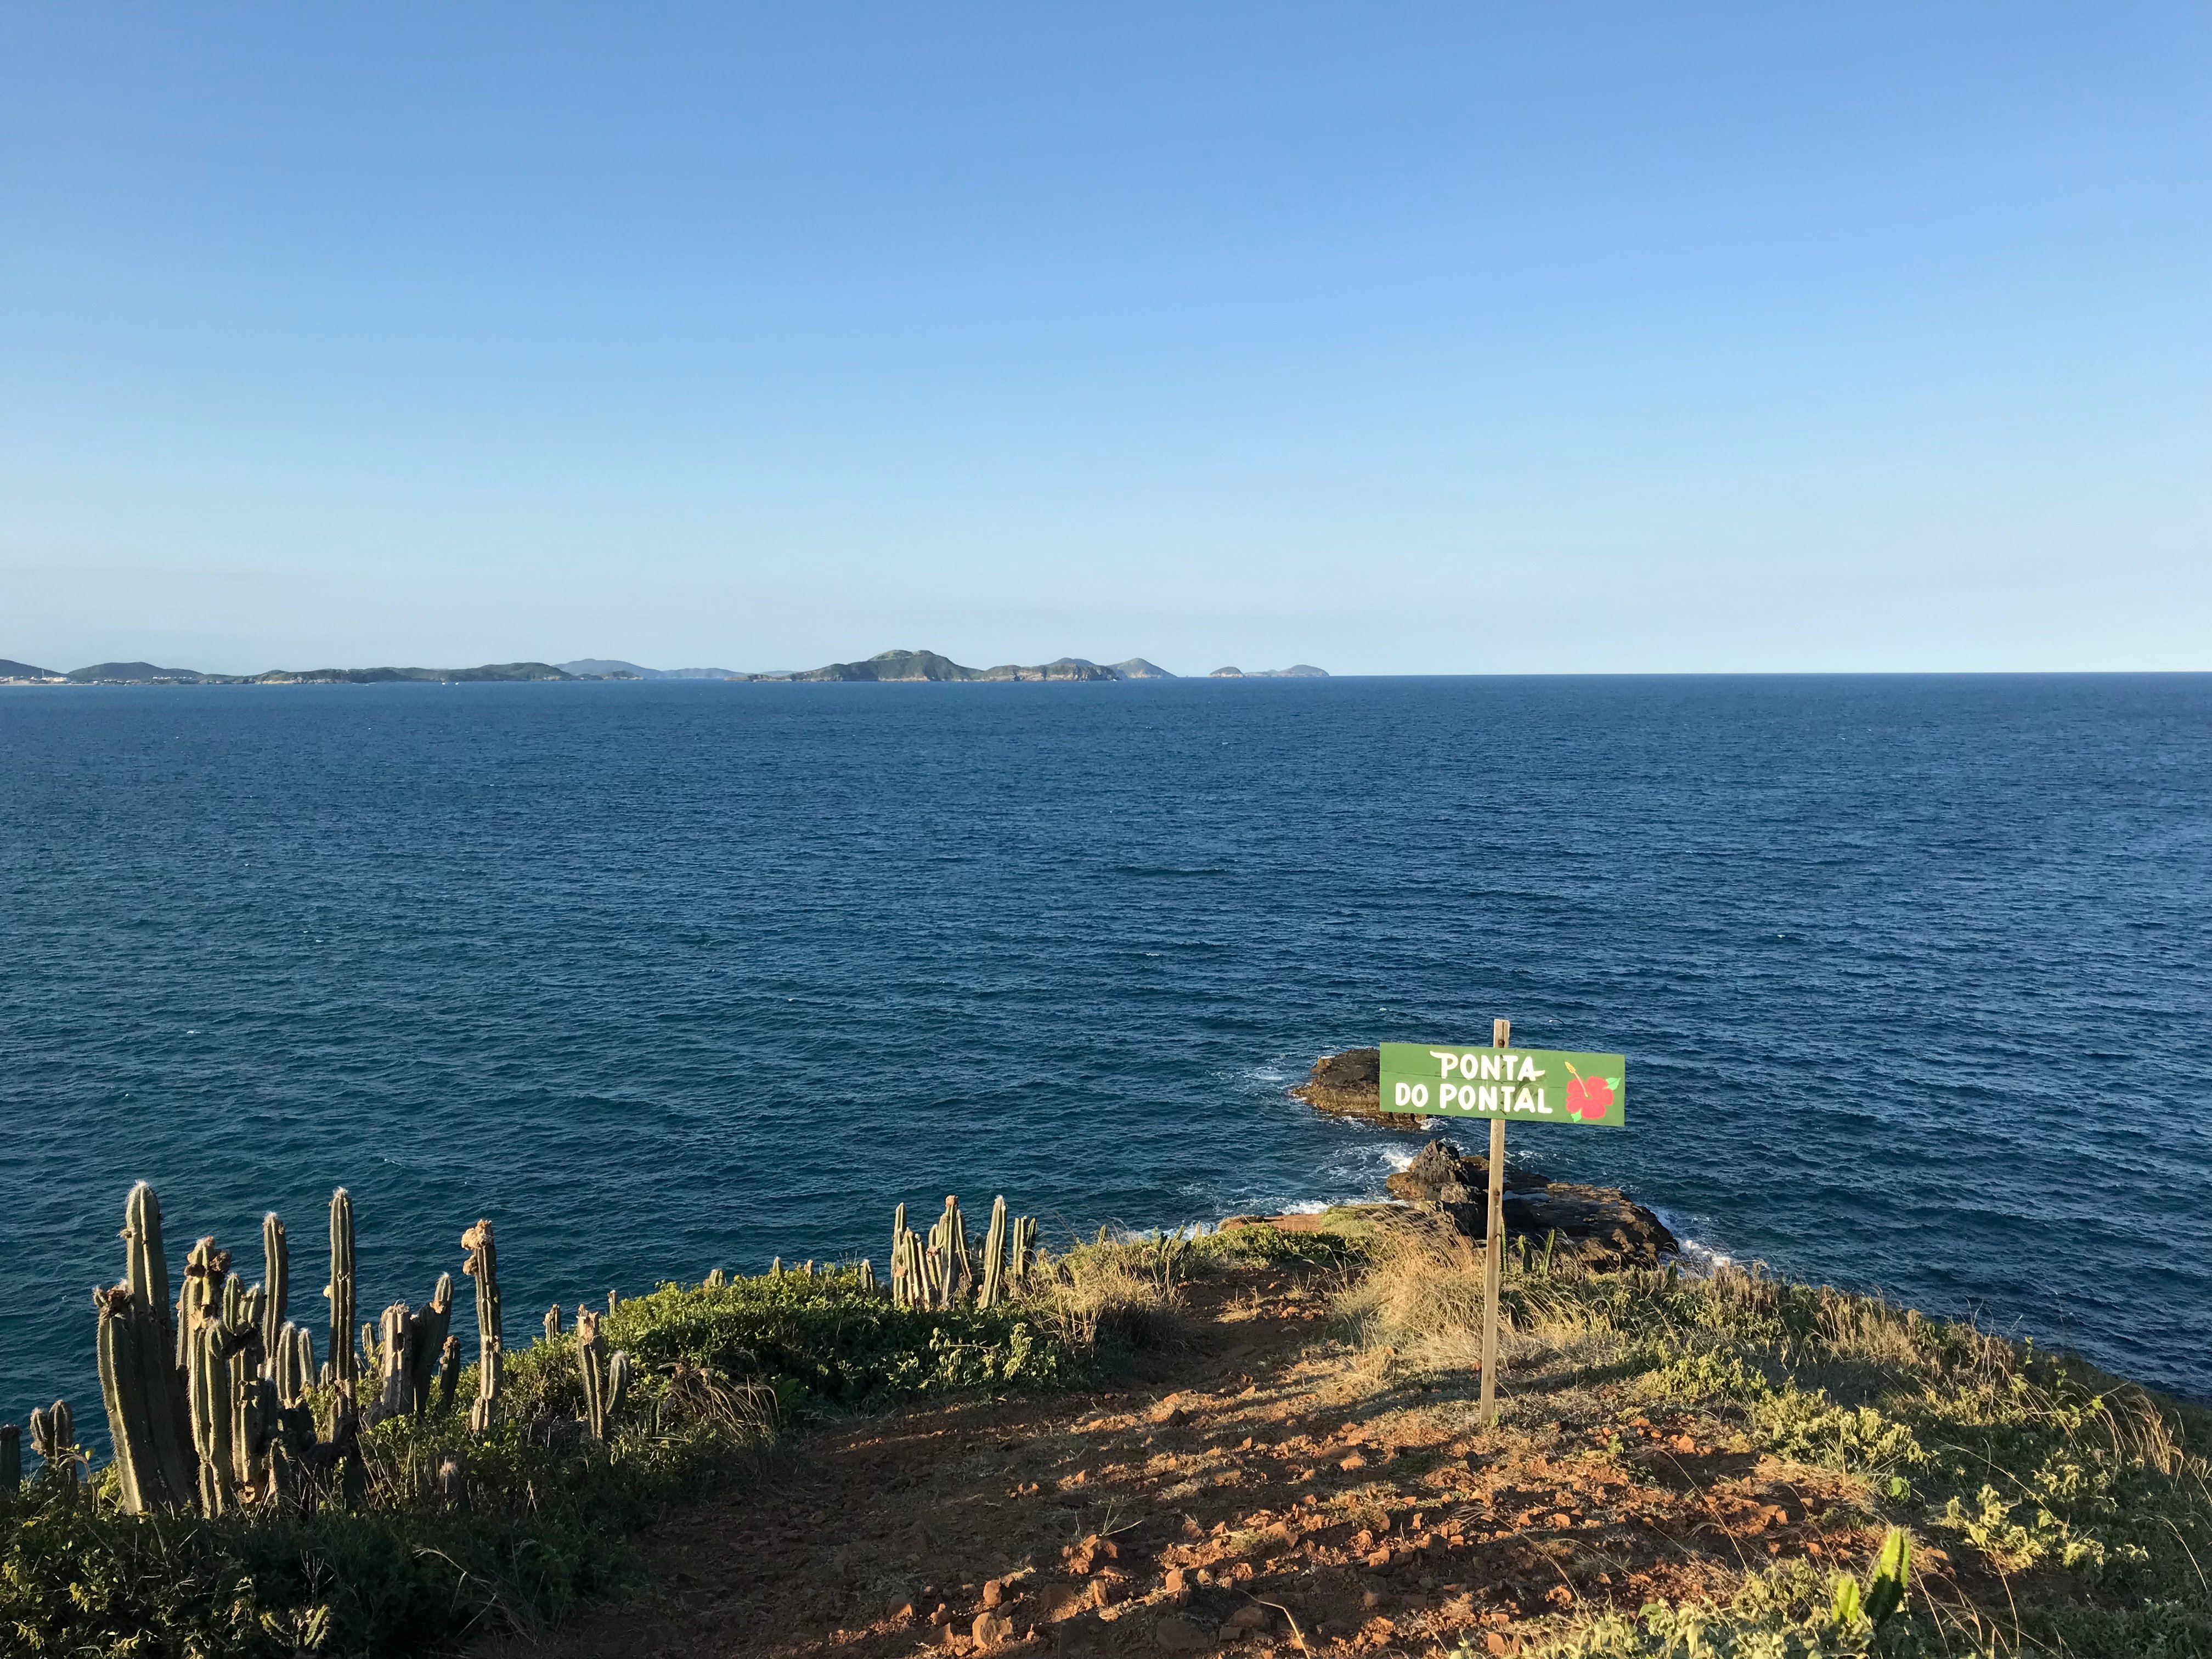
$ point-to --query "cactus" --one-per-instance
(994, 1256)
(901, 1290)
(449, 1374)
(618, 1375)
(291, 1363)
(1021, 1249)
(425, 1342)
(1893, 1573)
(714, 1281)
(959, 1269)
(340, 1290)
(11, 1464)
(292, 1447)
(553, 1323)
(252, 1415)
(391, 1357)
(53, 1437)
(607, 1378)
(612, 1302)
(214, 1406)
(775, 1267)
(483, 1265)
(868, 1276)
(140, 1383)
(200, 1295)
(145, 1264)
(258, 1417)
(276, 1283)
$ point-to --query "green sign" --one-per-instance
(1521, 1085)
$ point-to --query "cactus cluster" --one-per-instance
(943, 1270)
(408, 1349)
(232, 1405)
(212, 1409)
(606, 1376)
(211, 1398)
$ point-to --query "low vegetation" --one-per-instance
(451, 1529)
(443, 1530)
(2056, 1509)
(1712, 1467)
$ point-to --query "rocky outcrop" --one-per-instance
(1595, 1226)
(1442, 1173)
(1350, 1084)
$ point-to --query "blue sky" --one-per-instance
(1396, 339)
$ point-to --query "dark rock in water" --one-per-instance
(1597, 1226)
(1442, 1166)
(1350, 1084)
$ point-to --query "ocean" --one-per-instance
(1912, 973)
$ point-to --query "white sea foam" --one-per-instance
(1698, 1260)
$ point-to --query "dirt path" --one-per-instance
(1262, 1486)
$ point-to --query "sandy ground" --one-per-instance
(1263, 1488)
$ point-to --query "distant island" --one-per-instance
(884, 665)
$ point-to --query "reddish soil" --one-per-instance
(1263, 1488)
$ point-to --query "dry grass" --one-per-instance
(1104, 1294)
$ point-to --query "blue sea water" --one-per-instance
(1912, 973)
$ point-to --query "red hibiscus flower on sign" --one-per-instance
(1589, 1098)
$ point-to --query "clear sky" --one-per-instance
(1391, 338)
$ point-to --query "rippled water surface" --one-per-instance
(1912, 973)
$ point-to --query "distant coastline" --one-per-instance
(888, 666)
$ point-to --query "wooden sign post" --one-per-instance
(1494, 1248)
(1540, 1085)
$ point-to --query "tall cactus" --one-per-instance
(276, 1283)
(391, 1358)
(200, 1295)
(214, 1404)
(606, 1377)
(553, 1324)
(257, 1420)
(414, 1342)
(483, 1265)
(11, 1464)
(422, 1341)
(53, 1437)
(960, 1268)
(340, 1290)
(291, 1363)
(1022, 1248)
(145, 1263)
(253, 1404)
(140, 1383)
(449, 1374)
(901, 1267)
(995, 1255)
